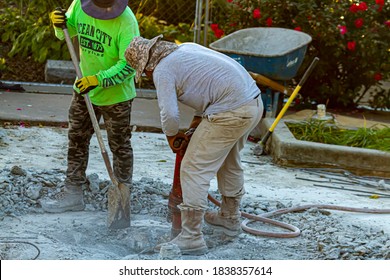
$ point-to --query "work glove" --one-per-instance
(58, 18)
(178, 142)
(87, 84)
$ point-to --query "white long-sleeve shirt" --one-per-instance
(203, 79)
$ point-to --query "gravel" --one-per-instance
(30, 170)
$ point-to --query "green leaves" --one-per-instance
(326, 132)
(342, 70)
(26, 26)
(150, 27)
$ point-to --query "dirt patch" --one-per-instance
(32, 164)
(20, 68)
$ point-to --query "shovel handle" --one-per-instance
(91, 112)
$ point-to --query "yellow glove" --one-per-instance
(87, 83)
(58, 18)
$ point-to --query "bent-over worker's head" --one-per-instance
(104, 9)
(144, 54)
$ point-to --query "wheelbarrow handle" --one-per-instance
(308, 71)
(259, 149)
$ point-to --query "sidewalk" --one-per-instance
(52, 109)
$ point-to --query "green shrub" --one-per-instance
(151, 26)
(171, 11)
(351, 38)
(26, 26)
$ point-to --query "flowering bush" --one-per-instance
(351, 38)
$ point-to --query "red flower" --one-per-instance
(343, 29)
(363, 6)
(230, 1)
(378, 77)
(214, 26)
(269, 21)
(359, 22)
(218, 33)
(354, 8)
(256, 13)
(298, 28)
(380, 4)
(351, 46)
(387, 22)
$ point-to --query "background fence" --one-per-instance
(198, 13)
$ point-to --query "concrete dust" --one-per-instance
(33, 163)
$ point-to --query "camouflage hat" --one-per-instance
(146, 54)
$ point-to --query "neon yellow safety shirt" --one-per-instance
(102, 46)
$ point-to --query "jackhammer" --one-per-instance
(175, 196)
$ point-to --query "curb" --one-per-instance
(60, 88)
(286, 150)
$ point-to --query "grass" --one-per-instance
(327, 132)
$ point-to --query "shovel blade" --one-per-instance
(118, 207)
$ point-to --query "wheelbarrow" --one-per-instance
(271, 55)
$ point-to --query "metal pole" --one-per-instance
(199, 21)
(206, 23)
(196, 21)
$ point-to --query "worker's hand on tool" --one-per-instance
(58, 18)
(178, 142)
(194, 124)
(87, 83)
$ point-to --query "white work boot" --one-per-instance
(227, 219)
(70, 199)
(190, 240)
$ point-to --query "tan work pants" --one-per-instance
(214, 149)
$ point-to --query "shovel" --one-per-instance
(118, 193)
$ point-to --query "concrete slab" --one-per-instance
(44, 109)
(286, 150)
(50, 88)
(52, 109)
(59, 71)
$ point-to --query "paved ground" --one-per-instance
(324, 234)
(52, 109)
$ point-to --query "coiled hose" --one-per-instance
(294, 231)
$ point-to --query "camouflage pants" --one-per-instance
(117, 123)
